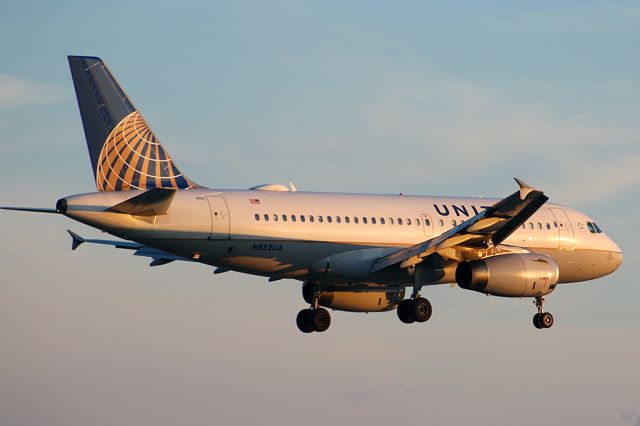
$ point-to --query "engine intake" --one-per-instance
(509, 275)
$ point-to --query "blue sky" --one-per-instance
(415, 97)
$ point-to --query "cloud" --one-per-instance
(15, 91)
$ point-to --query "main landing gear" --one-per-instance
(315, 318)
(541, 319)
(416, 309)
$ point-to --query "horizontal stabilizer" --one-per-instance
(77, 240)
(159, 257)
(154, 202)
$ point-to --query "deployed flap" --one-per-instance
(488, 228)
(154, 202)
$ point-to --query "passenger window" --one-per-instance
(275, 217)
(364, 220)
(530, 225)
(399, 221)
(293, 218)
(548, 225)
(391, 221)
(524, 225)
(266, 217)
(427, 222)
(373, 220)
(346, 219)
(355, 219)
(338, 219)
(320, 219)
(329, 219)
(598, 230)
(539, 225)
(311, 218)
(284, 217)
(408, 221)
(257, 217)
(382, 221)
(441, 222)
(591, 228)
(555, 224)
(302, 218)
(454, 223)
(418, 222)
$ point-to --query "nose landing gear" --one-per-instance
(541, 319)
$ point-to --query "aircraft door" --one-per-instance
(219, 217)
(427, 225)
(565, 231)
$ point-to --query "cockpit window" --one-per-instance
(598, 230)
(592, 229)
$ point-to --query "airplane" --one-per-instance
(352, 252)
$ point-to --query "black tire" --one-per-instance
(405, 311)
(303, 321)
(537, 321)
(320, 320)
(422, 309)
(546, 319)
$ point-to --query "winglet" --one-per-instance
(76, 240)
(524, 188)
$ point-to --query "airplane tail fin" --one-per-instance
(125, 154)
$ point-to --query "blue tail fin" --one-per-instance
(125, 153)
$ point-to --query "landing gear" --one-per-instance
(541, 319)
(315, 318)
(309, 320)
(414, 310)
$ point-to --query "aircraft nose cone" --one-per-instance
(616, 259)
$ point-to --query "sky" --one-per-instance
(419, 97)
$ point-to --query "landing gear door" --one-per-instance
(427, 225)
(565, 231)
(219, 218)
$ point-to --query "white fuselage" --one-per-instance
(289, 234)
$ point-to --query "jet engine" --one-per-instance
(354, 298)
(509, 275)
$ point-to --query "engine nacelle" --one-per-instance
(357, 298)
(510, 275)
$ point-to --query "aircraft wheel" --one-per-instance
(404, 311)
(303, 321)
(546, 320)
(537, 321)
(320, 319)
(421, 309)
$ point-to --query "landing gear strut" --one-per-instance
(416, 309)
(541, 319)
(315, 318)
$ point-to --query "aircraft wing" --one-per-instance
(486, 229)
(160, 257)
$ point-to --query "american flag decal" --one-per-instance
(254, 201)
